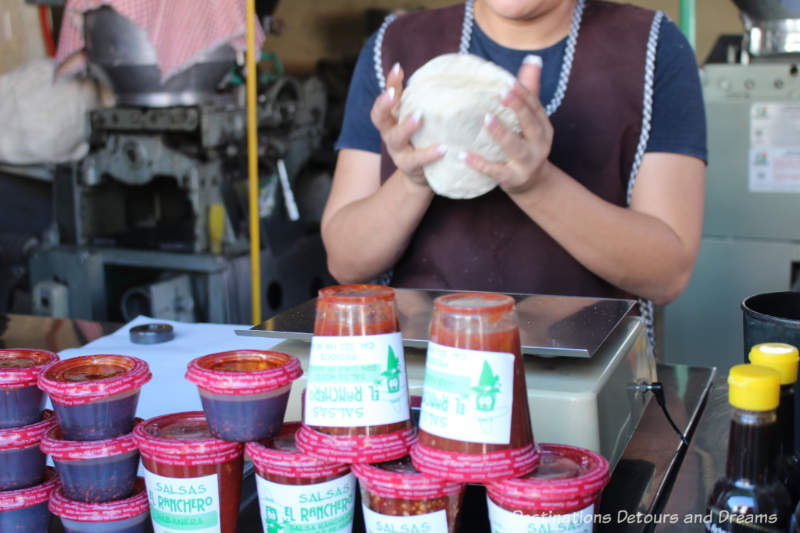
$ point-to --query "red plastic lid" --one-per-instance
(475, 467)
(280, 457)
(356, 293)
(21, 367)
(568, 474)
(183, 439)
(243, 372)
(22, 437)
(474, 303)
(100, 512)
(90, 378)
(355, 448)
(11, 500)
(399, 479)
(60, 449)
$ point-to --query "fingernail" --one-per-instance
(396, 68)
(488, 119)
(442, 149)
(532, 59)
(462, 155)
(390, 93)
(417, 116)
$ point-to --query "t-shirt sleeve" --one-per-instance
(678, 120)
(358, 131)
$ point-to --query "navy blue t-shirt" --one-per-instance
(678, 124)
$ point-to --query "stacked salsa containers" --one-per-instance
(25, 483)
(94, 398)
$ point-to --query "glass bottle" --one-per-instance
(750, 497)
(783, 358)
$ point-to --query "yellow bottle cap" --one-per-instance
(779, 356)
(754, 387)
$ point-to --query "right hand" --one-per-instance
(397, 136)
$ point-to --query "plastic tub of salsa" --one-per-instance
(25, 510)
(21, 401)
(474, 421)
(21, 460)
(121, 516)
(244, 392)
(356, 400)
(560, 495)
(193, 479)
(397, 497)
(299, 491)
(95, 471)
(95, 396)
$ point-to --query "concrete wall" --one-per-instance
(316, 29)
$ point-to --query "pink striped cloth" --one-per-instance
(179, 30)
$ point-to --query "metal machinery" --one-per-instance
(153, 219)
(752, 211)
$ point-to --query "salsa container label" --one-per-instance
(183, 504)
(356, 381)
(468, 394)
(504, 521)
(322, 507)
(435, 522)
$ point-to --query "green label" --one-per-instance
(183, 522)
(183, 504)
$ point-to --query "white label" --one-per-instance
(323, 507)
(774, 147)
(178, 505)
(468, 394)
(356, 381)
(503, 521)
(435, 522)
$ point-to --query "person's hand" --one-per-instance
(397, 136)
(527, 152)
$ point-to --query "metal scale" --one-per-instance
(585, 362)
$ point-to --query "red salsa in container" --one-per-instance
(122, 516)
(21, 460)
(299, 492)
(244, 392)
(560, 495)
(94, 471)
(397, 497)
(25, 510)
(21, 401)
(193, 479)
(95, 396)
(474, 420)
(356, 399)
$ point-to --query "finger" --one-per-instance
(529, 121)
(395, 79)
(399, 137)
(500, 172)
(412, 158)
(381, 113)
(530, 73)
(511, 143)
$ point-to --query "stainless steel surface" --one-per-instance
(771, 38)
(120, 53)
(769, 9)
(550, 326)
(705, 459)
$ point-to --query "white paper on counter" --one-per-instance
(169, 391)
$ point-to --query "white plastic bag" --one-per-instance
(42, 121)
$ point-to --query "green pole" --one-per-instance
(689, 21)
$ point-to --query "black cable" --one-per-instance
(658, 392)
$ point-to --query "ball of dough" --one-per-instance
(454, 92)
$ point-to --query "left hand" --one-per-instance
(527, 152)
